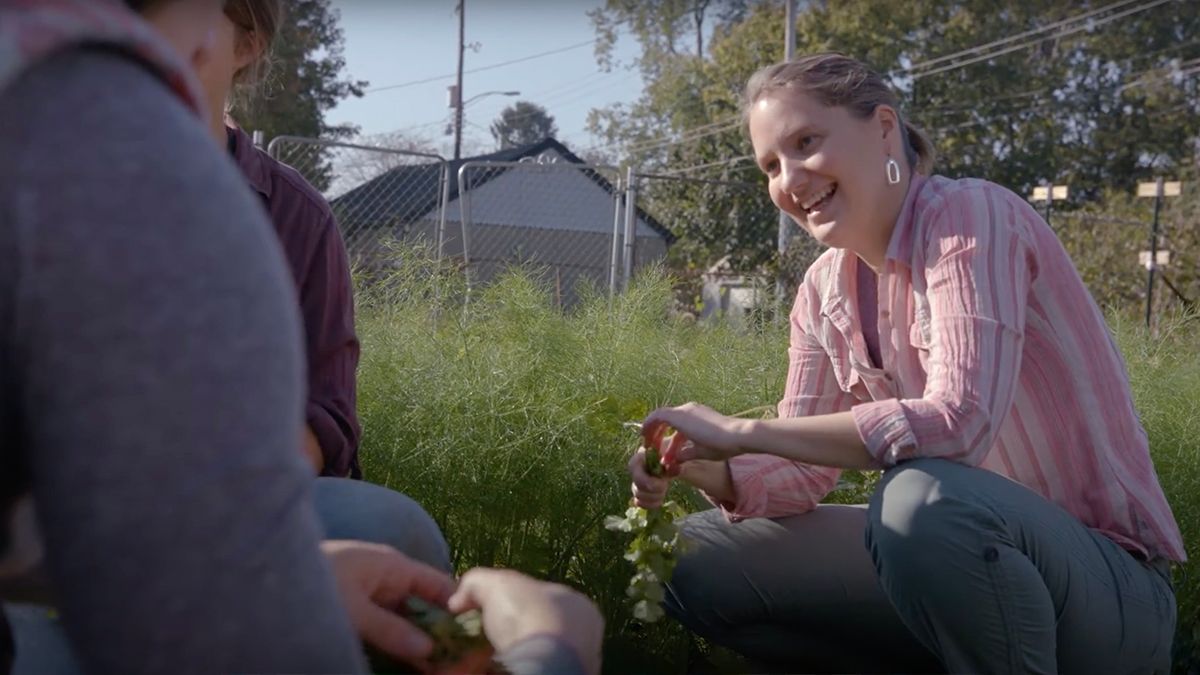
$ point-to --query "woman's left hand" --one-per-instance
(701, 433)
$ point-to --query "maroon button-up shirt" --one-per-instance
(316, 254)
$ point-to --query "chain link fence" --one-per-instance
(581, 225)
(736, 217)
(377, 194)
(567, 221)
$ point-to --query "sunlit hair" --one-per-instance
(260, 21)
(836, 80)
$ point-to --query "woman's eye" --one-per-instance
(804, 142)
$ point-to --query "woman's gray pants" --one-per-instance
(962, 570)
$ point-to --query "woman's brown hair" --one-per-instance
(838, 80)
(260, 21)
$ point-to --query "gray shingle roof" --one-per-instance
(406, 193)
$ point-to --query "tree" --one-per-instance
(522, 123)
(663, 27)
(305, 81)
(1099, 108)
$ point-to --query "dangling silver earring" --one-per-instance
(893, 171)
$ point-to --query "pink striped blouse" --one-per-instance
(994, 355)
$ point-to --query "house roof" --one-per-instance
(406, 193)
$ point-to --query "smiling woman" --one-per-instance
(946, 339)
(834, 126)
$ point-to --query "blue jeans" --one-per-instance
(949, 568)
(355, 509)
(348, 509)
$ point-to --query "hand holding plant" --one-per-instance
(656, 537)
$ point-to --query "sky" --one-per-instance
(390, 42)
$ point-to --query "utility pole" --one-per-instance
(1158, 195)
(785, 223)
(1049, 193)
(1158, 189)
(458, 97)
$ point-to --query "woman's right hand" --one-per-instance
(649, 491)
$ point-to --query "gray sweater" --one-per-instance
(151, 390)
(151, 385)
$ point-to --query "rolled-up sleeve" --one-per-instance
(769, 486)
(978, 270)
(327, 305)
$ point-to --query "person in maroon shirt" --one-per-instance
(316, 255)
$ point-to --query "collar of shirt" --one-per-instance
(840, 287)
(250, 160)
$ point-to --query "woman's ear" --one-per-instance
(889, 124)
(889, 120)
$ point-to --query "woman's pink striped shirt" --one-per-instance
(994, 355)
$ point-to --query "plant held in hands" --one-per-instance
(655, 541)
(454, 636)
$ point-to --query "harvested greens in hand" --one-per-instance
(652, 550)
(453, 636)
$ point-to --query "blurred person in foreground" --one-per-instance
(348, 508)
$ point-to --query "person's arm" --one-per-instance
(978, 273)
(327, 307)
(160, 384)
(770, 486)
(374, 581)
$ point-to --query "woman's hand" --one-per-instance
(373, 580)
(701, 433)
(516, 607)
(649, 491)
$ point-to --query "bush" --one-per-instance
(505, 421)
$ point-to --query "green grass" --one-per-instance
(504, 421)
(1165, 374)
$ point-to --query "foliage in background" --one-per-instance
(505, 423)
(1165, 375)
(522, 123)
(1105, 237)
(1098, 109)
(306, 80)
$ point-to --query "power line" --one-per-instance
(1086, 26)
(560, 103)
(993, 112)
(695, 133)
(709, 165)
(1184, 69)
(1014, 38)
(522, 59)
(1085, 18)
(953, 109)
(480, 69)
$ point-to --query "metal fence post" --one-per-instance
(445, 202)
(631, 195)
(1158, 197)
(464, 214)
(619, 197)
